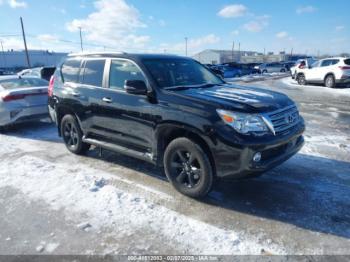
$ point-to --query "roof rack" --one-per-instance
(97, 53)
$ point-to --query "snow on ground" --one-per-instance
(81, 191)
(256, 77)
(339, 90)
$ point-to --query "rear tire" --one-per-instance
(73, 136)
(329, 81)
(188, 168)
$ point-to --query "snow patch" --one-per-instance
(114, 208)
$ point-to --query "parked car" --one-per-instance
(271, 68)
(227, 71)
(175, 113)
(300, 64)
(288, 65)
(243, 69)
(22, 99)
(42, 72)
(329, 71)
(215, 70)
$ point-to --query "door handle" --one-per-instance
(107, 100)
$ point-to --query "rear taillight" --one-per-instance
(344, 67)
(51, 84)
(301, 66)
(9, 98)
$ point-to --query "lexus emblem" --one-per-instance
(291, 118)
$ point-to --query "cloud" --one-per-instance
(193, 44)
(17, 4)
(235, 32)
(113, 23)
(231, 11)
(47, 38)
(162, 23)
(305, 9)
(282, 34)
(339, 28)
(258, 24)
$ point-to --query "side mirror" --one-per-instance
(135, 87)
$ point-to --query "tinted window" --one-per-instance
(23, 83)
(347, 61)
(326, 63)
(335, 61)
(70, 70)
(93, 72)
(122, 70)
(180, 72)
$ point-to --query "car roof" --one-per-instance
(126, 55)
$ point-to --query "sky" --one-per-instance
(307, 26)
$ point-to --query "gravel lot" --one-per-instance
(53, 202)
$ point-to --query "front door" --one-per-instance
(127, 119)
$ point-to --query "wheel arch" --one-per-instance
(61, 112)
(167, 132)
(328, 74)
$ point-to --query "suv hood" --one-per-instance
(235, 97)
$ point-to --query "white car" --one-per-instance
(329, 71)
(22, 99)
(300, 64)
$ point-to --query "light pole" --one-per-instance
(81, 40)
(186, 44)
(3, 54)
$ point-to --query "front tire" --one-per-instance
(73, 136)
(188, 168)
(329, 81)
(301, 80)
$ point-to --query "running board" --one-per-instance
(120, 149)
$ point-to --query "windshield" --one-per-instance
(180, 72)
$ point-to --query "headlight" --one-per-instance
(244, 123)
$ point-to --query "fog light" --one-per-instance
(257, 157)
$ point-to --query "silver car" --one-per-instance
(22, 99)
(271, 68)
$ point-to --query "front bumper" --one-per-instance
(237, 161)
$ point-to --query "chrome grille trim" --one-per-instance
(283, 119)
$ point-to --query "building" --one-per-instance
(271, 57)
(16, 60)
(213, 56)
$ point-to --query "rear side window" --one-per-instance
(347, 61)
(93, 72)
(15, 83)
(122, 70)
(70, 70)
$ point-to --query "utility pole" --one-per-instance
(3, 54)
(81, 40)
(239, 51)
(233, 51)
(186, 44)
(25, 43)
(291, 52)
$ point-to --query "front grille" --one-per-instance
(282, 120)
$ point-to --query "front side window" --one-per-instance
(171, 72)
(93, 72)
(122, 70)
(70, 70)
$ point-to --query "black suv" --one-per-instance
(173, 112)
